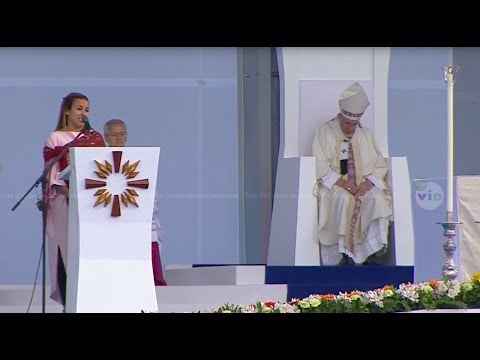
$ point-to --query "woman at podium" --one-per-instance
(72, 129)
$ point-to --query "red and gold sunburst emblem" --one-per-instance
(128, 195)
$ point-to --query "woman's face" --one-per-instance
(80, 108)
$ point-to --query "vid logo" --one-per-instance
(428, 195)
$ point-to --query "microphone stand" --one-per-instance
(42, 206)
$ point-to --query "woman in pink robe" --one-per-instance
(73, 110)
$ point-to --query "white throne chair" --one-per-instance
(310, 82)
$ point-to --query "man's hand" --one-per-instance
(347, 186)
(363, 188)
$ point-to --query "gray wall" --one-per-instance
(466, 102)
(417, 128)
(181, 99)
(258, 142)
(417, 109)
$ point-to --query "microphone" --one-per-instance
(87, 125)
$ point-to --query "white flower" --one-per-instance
(409, 291)
(287, 308)
(375, 297)
(249, 308)
(454, 290)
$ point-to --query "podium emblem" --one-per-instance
(126, 194)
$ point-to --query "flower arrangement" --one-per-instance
(434, 294)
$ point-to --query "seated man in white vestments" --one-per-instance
(354, 203)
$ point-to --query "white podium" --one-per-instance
(109, 265)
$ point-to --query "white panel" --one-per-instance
(293, 235)
(307, 250)
(281, 247)
(381, 61)
(109, 266)
(402, 211)
(468, 232)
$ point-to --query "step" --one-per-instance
(220, 294)
(21, 294)
(189, 308)
(216, 275)
(49, 309)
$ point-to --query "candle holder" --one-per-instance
(449, 270)
(450, 69)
